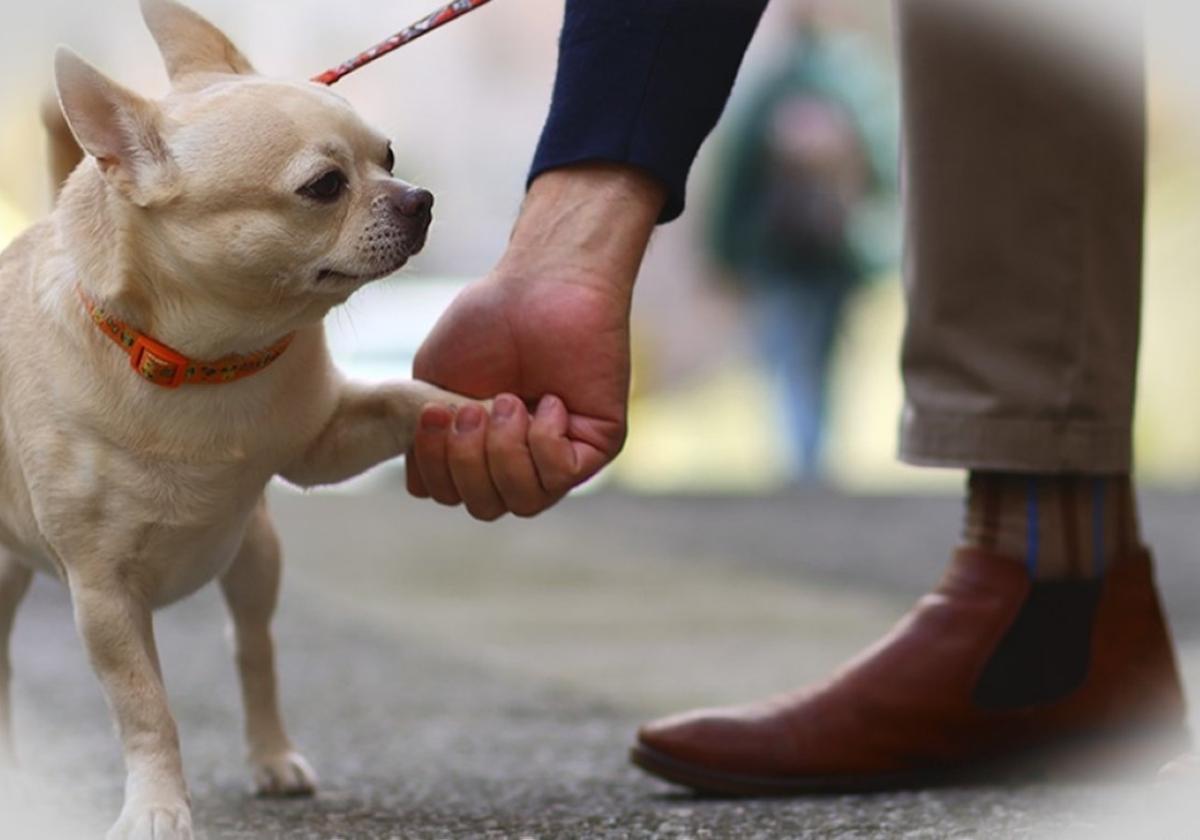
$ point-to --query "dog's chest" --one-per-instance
(167, 500)
(174, 526)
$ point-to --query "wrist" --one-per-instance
(590, 222)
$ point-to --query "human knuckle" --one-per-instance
(446, 497)
(464, 462)
(507, 450)
(486, 513)
(540, 435)
(528, 510)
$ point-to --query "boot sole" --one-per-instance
(1093, 758)
(715, 783)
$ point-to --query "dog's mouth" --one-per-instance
(331, 277)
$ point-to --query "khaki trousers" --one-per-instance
(1024, 188)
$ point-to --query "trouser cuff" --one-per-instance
(1015, 445)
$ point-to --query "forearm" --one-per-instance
(587, 224)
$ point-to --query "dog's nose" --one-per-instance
(413, 203)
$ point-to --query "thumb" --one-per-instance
(568, 449)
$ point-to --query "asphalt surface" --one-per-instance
(452, 680)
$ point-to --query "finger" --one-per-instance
(553, 452)
(466, 454)
(412, 476)
(430, 445)
(510, 461)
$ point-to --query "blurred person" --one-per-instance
(810, 163)
(1024, 193)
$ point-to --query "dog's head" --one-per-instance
(262, 193)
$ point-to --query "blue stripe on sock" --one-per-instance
(1034, 535)
(1098, 527)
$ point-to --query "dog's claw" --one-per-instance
(156, 823)
(284, 775)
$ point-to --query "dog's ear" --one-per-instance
(122, 131)
(190, 44)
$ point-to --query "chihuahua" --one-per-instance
(162, 358)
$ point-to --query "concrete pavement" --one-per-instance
(451, 680)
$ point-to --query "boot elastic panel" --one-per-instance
(1045, 654)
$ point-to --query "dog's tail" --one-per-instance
(63, 151)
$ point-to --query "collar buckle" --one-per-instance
(157, 363)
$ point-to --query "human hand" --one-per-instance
(549, 327)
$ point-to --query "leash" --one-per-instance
(423, 27)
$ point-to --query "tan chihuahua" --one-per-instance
(162, 358)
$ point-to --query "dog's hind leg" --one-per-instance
(14, 583)
(251, 589)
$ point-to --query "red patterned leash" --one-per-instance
(422, 27)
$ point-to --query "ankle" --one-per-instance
(1059, 526)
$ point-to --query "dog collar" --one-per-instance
(160, 365)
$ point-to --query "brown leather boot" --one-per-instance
(989, 673)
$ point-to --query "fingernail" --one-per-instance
(468, 419)
(504, 408)
(434, 421)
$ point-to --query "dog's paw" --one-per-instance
(156, 822)
(283, 775)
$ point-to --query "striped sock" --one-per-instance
(1062, 527)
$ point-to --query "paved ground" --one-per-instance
(450, 680)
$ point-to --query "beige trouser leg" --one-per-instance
(1024, 188)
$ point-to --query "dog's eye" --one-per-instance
(326, 189)
(390, 163)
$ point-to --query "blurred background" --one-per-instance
(727, 398)
(508, 664)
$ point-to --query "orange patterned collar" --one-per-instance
(159, 364)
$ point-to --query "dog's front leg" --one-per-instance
(371, 425)
(251, 589)
(14, 583)
(117, 630)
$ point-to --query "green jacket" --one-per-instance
(842, 69)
